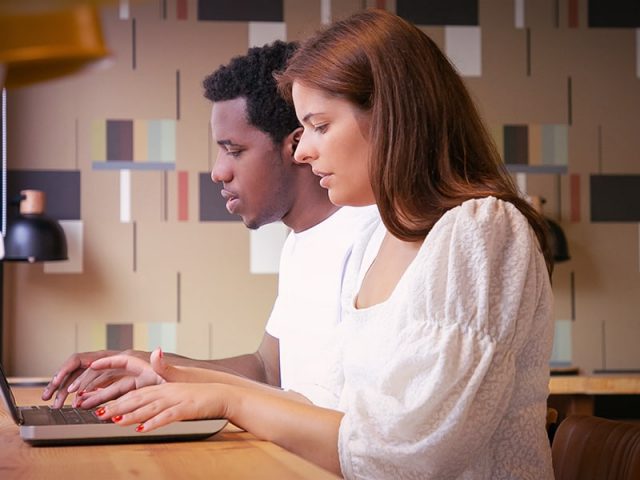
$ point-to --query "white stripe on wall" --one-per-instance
(325, 12)
(519, 13)
(125, 196)
(261, 33)
(463, 46)
(124, 10)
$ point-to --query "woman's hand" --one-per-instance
(128, 373)
(158, 405)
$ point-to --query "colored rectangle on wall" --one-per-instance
(73, 232)
(518, 13)
(535, 144)
(125, 196)
(614, 13)
(99, 140)
(439, 12)
(119, 336)
(463, 46)
(140, 140)
(555, 144)
(61, 187)
(516, 144)
(261, 33)
(163, 335)
(181, 10)
(615, 198)
(212, 205)
(183, 196)
(168, 141)
(120, 140)
(241, 10)
(573, 13)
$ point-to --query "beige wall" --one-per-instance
(223, 306)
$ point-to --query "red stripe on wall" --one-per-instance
(183, 196)
(181, 9)
(574, 189)
(573, 13)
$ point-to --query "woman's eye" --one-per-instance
(234, 153)
(320, 128)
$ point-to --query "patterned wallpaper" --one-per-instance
(124, 152)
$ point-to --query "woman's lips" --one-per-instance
(325, 178)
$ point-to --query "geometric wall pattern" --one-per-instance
(133, 144)
(158, 246)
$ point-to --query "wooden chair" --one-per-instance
(593, 448)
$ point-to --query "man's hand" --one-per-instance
(75, 366)
(130, 373)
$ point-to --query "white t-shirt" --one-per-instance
(448, 378)
(307, 309)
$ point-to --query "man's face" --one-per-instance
(256, 174)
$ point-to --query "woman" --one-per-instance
(441, 368)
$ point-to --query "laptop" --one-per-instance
(43, 425)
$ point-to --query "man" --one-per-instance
(257, 132)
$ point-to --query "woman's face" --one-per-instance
(335, 142)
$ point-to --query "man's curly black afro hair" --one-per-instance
(251, 76)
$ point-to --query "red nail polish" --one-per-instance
(117, 418)
(82, 392)
(101, 411)
(140, 428)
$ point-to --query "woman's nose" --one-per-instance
(303, 151)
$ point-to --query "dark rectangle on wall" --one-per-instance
(439, 12)
(119, 336)
(614, 13)
(516, 144)
(212, 205)
(615, 198)
(120, 140)
(241, 10)
(61, 188)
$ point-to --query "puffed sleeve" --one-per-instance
(430, 374)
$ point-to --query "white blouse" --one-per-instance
(448, 378)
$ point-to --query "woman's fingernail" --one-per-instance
(140, 428)
(117, 418)
(101, 411)
(82, 392)
(161, 353)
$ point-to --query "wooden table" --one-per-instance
(575, 394)
(231, 454)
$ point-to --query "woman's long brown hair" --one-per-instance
(430, 149)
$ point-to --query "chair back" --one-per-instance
(593, 448)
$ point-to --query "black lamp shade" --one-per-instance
(35, 238)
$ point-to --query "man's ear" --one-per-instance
(292, 140)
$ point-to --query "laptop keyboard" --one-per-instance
(44, 415)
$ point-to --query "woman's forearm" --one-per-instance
(301, 428)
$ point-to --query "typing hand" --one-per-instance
(69, 371)
(124, 372)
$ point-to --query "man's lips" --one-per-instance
(231, 198)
